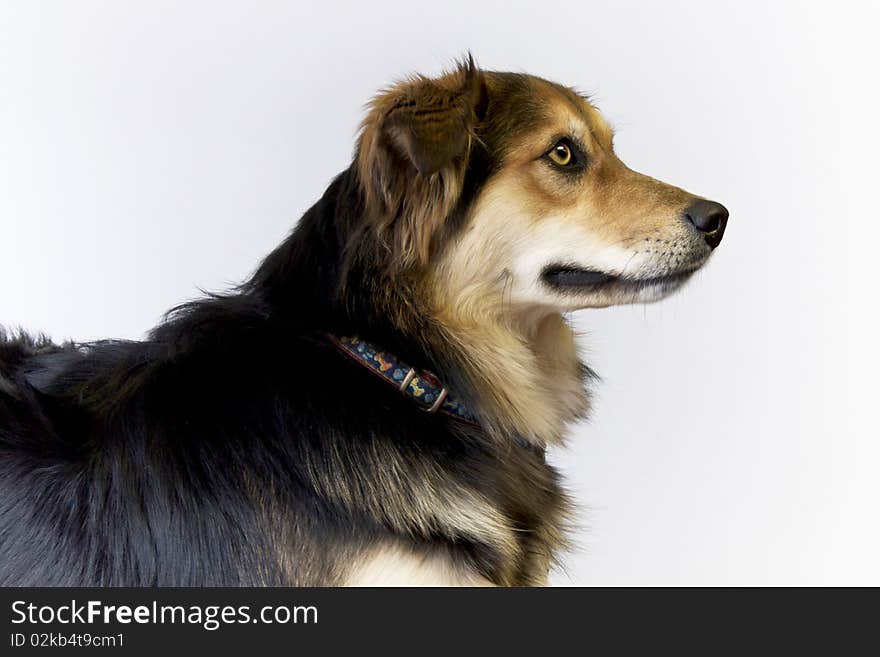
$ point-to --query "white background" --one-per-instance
(147, 148)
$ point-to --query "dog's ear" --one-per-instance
(412, 155)
(431, 122)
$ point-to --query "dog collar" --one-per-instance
(420, 386)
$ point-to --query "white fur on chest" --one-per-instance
(398, 565)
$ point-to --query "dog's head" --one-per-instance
(504, 191)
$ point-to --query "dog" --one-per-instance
(373, 405)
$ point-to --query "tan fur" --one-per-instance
(529, 369)
(420, 507)
(396, 564)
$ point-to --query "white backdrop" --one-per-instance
(147, 148)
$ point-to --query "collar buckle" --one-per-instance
(419, 385)
(441, 397)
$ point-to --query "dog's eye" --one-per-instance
(561, 154)
(564, 154)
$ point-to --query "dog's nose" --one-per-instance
(708, 217)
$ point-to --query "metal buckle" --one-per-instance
(441, 396)
(438, 402)
(407, 379)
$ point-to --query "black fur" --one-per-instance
(235, 446)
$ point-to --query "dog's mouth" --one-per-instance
(577, 279)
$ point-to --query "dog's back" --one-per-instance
(97, 484)
(36, 492)
(122, 462)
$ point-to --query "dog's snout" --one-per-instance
(709, 218)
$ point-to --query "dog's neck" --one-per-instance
(524, 369)
(521, 374)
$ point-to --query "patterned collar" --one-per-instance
(419, 385)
